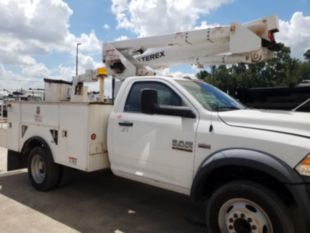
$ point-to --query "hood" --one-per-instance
(295, 123)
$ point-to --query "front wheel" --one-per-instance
(246, 207)
(43, 173)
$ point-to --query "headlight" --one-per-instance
(303, 168)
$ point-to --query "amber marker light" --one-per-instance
(303, 168)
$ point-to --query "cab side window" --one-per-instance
(166, 96)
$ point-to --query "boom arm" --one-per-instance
(248, 43)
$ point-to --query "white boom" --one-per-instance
(248, 43)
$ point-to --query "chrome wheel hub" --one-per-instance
(38, 170)
(243, 216)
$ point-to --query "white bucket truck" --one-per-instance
(252, 166)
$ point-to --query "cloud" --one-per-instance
(295, 33)
(176, 74)
(11, 80)
(123, 37)
(204, 24)
(152, 17)
(106, 26)
(45, 21)
(38, 27)
(64, 72)
(38, 70)
(86, 62)
(89, 42)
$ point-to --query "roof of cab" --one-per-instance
(160, 77)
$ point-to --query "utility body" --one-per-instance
(180, 134)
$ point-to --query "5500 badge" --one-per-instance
(182, 145)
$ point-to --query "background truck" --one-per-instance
(252, 166)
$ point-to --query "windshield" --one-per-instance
(209, 96)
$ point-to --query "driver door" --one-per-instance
(155, 148)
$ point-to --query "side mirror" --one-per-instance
(149, 105)
(180, 111)
(148, 101)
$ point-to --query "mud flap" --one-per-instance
(16, 161)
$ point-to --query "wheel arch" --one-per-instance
(33, 142)
(244, 164)
(232, 164)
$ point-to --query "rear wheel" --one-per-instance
(246, 207)
(43, 173)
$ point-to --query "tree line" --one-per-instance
(281, 71)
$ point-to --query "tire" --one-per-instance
(43, 173)
(246, 207)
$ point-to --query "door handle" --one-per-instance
(125, 123)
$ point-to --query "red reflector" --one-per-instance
(93, 136)
(271, 36)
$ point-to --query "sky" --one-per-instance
(38, 37)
